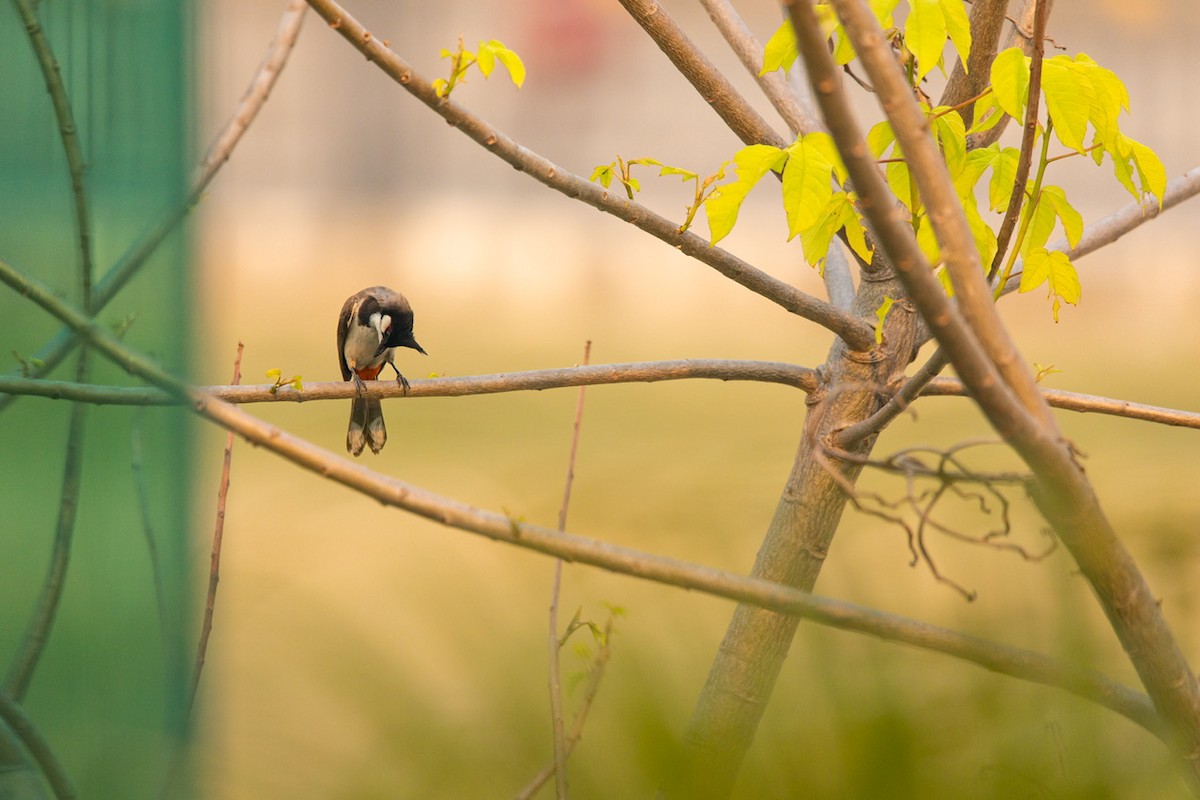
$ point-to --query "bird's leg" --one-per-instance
(400, 379)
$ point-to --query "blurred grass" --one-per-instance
(360, 652)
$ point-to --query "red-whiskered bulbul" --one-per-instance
(373, 323)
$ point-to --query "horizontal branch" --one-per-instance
(854, 331)
(533, 380)
(1016, 662)
(803, 378)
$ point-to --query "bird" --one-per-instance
(373, 323)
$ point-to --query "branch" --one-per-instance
(712, 85)
(855, 332)
(561, 751)
(390, 491)
(797, 377)
(945, 212)
(1016, 197)
(889, 223)
(51, 354)
(46, 611)
(639, 372)
(1064, 495)
(987, 20)
(214, 569)
(76, 165)
(749, 50)
(20, 723)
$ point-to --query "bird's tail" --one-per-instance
(366, 426)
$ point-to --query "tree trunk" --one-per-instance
(756, 643)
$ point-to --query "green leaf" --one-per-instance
(1056, 271)
(881, 314)
(274, 374)
(1010, 82)
(750, 164)
(782, 50)
(925, 34)
(1069, 97)
(439, 87)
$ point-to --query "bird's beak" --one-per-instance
(413, 344)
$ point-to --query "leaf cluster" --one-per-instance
(486, 56)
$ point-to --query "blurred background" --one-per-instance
(359, 652)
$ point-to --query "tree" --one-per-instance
(901, 199)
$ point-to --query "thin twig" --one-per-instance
(560, 742)
(42, 621)
(51, 354)
(69, 133)
(854, 331)
(19, 722)
(37, 634)
(595, 675)
(214, 571)
(1016, 197)
(143, 495)
(1018, 663)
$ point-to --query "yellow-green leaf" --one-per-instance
(852, 221)
(901, 185)
(927, 241)
(492, 51)
(951, 134)
(750, 164)
(1072, 220)
(603, 174)
(1151, 172)
(1010, 82)
(881, 314)
(1004, 175)
(1056, 271)
(807, 185)
(1069, 97)
(925, 34)
(958, 28)
(782, 49)
(880, 137)
(815, 240)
